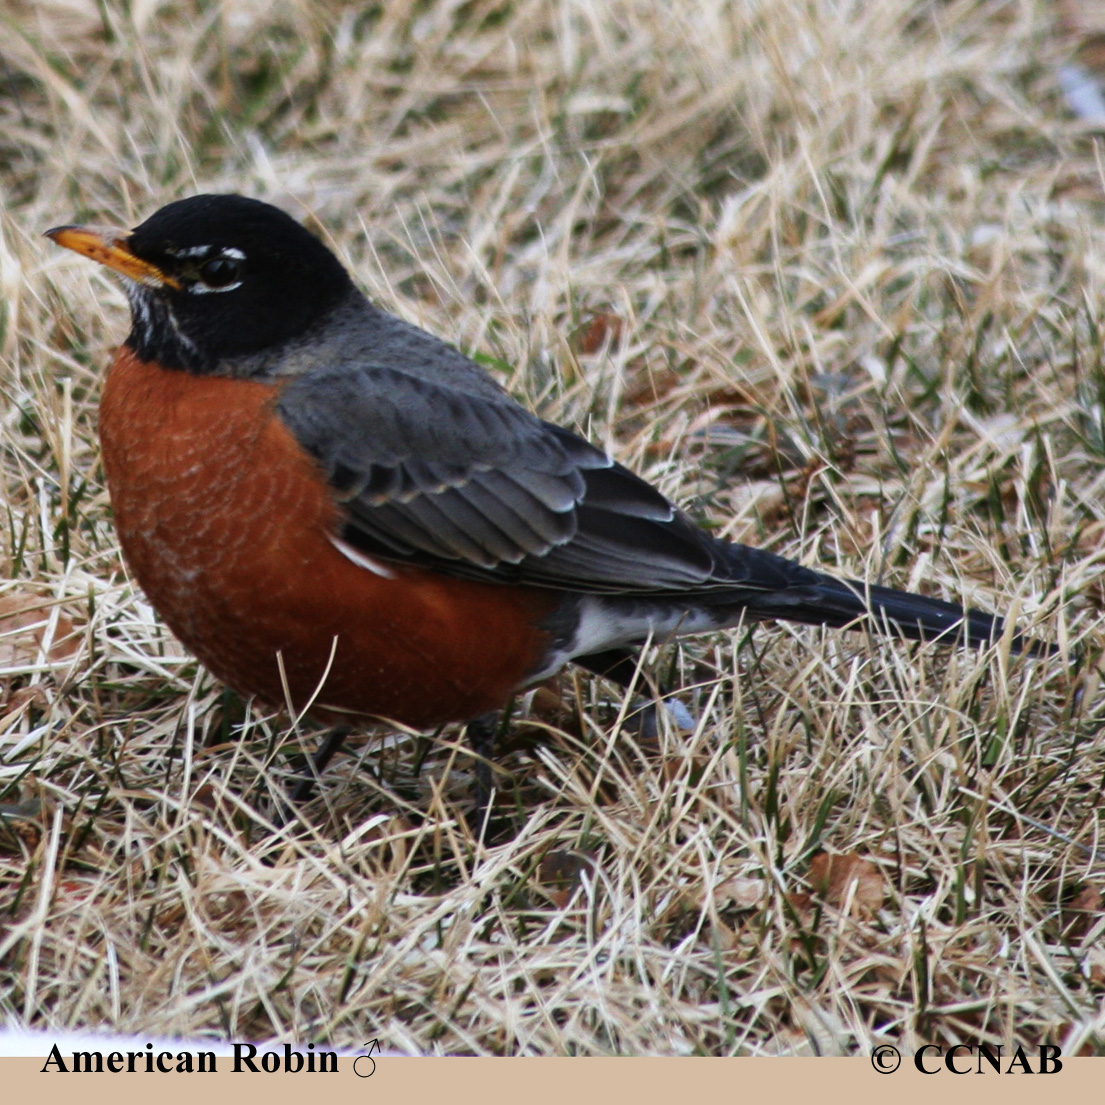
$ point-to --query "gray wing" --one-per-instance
(456, 476)
(470, 483)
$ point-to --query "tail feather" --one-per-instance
(839, 603)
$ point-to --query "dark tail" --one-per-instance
(839, 603)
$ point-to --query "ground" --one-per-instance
(831, 275)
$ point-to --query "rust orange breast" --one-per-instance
(227, 523)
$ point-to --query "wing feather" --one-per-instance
(469, 482)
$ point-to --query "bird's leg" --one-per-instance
(316, 765)
(481, 732)
(619, 665)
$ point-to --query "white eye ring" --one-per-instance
(220, 271)
(211, 255)
(204, 289)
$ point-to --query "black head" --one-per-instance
(217, 277)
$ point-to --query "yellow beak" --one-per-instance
(106, 245)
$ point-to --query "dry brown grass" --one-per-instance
(856, 254)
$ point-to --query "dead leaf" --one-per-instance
(548, 704)
(603, 329)
(832, 878)
(24, 622)
(740, 893)
(802, 904)
(25, 696)
(21, 822)
(559, 874)
(643, 388)
(1082, 913)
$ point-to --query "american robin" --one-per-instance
(333, 508)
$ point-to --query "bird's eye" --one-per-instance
(220, 271)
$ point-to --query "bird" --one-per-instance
(338, 512)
